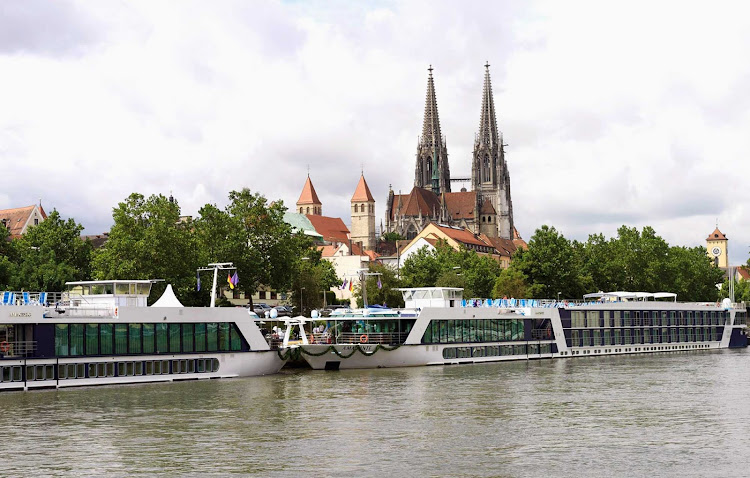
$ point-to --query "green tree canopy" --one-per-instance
(386, 294)
(48, 255)
(149, 241)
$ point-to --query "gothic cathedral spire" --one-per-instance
(489, 172)
(432, 170)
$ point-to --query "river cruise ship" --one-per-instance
(103, 332)
(438, 327)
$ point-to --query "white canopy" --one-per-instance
(167, 299)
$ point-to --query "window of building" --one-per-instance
(262, 294)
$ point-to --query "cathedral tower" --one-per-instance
(432, 170)
(308, 202)
(363, 215)
(489, 173)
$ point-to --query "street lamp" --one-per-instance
(558, 296)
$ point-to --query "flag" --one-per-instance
(198, 276)
(380, 284)
(351, 285)
(229, 280)
(343, 286)
(235, 279)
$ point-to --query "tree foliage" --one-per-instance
(149, 241)
(633, 260)
(385, 295)
(48, 255)
(444, 265)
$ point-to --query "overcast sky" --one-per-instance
(634, 113)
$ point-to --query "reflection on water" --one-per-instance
(671, 415)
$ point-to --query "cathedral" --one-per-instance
(486, 209)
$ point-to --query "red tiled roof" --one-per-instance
(308, 196)
(15, 219)
(505, 247)
(487, 207)
(461, 204)
(743, 272)
(362, 193)
(717, 235)
(327, 251)
(332, 229)
(461, 235)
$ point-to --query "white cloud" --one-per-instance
(615, 113)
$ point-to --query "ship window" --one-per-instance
(97, 289)
(134, 345)
(148, 338)
(120, 369)
(122, 289)
(200, 337)
(92, 339)
(61, 340)
(223, 336)
(76, 339)
(105, 339)
(187, 337)
(174, 337)
(212, 330)
(121, 339)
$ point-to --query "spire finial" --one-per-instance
(430, 70)
(487, 65)
(308, 170)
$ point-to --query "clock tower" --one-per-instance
(716, 244)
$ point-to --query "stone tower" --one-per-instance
(716, 244)
(363, 215)
(308, 202)
(432, 170)
(489, 173)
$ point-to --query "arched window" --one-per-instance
(308, 210)
(411, 233)
(356, 208)
(300, 210)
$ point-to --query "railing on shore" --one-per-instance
(18, 348)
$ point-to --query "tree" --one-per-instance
(50, 254)
(552, 265)
(149, 241)
(381, 295)
(512, 283)
(692, 275)
(392, 236)
(314, 278)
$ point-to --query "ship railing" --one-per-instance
(18, 348)
(541, 334)
(29, 298)
(85, 312)
(519, 303)
(362, 338)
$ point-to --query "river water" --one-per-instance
(678, 414)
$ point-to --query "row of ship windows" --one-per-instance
(637, 349)
(123, 339)
(15, 373)
(595, 319)
(583, 338)
(496, 350)
(472, 330)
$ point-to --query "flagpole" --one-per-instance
(216, 266)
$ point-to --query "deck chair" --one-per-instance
(42, 298)
(26, 299)
(9, 298)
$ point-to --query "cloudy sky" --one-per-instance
(632, 113)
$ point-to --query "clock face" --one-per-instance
(716, 251)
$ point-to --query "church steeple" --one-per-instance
(489, 172)
(432, 170)
(308, 202)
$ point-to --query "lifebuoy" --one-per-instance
(363, 339)
(311, 339)
(4, 346)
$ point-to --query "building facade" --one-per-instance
(486, 209)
